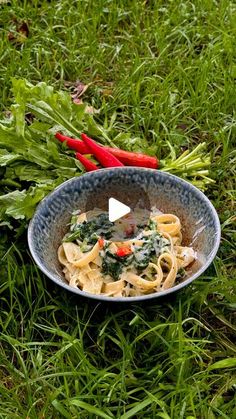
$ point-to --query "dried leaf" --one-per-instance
(91, 110)
(100, 82)
(78, 101)
(11, 37)
(79, 89)
(106, 87)
(106, 92)
(182, 127)
(20, 33)
(23, 29)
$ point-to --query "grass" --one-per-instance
(167, 69)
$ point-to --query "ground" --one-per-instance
(168, 71)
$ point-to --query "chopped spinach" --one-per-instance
(152, 225)
(152, 247)
(111, 267)
(113, 264)
(90, 231)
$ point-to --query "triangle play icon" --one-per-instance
(117, 209)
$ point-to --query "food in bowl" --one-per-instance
(200, 225)
(151, 261)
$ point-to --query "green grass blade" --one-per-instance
(224, 363)
(136, 409)
(89, 408)
(60, 408)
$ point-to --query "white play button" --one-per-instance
(117, 209)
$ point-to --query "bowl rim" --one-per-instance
(103, 298)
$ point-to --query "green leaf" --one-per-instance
(94, 129)
(21, 204)
(6, 157)
(29, 172)
(39, 128)
(20, 91)
(224, 363)
(10, 140)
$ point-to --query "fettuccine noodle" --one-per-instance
(149, 263)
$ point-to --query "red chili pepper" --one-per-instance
(126, 157)
(88, 164)
(101, 243)
(134, 159)
(102, 155)
(75, 144)
(123, 251)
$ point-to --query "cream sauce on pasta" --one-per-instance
(152, 262)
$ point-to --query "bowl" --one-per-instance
(170, 194)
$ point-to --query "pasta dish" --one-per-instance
(152, 261)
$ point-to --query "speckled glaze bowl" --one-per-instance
(170, 194)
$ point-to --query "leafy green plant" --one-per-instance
(33, 163)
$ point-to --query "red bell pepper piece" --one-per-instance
(123, 251)
(101, 243)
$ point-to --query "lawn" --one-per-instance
(164, 72)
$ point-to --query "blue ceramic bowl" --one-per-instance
(170, 194)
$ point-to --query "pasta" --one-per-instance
(152, 261)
